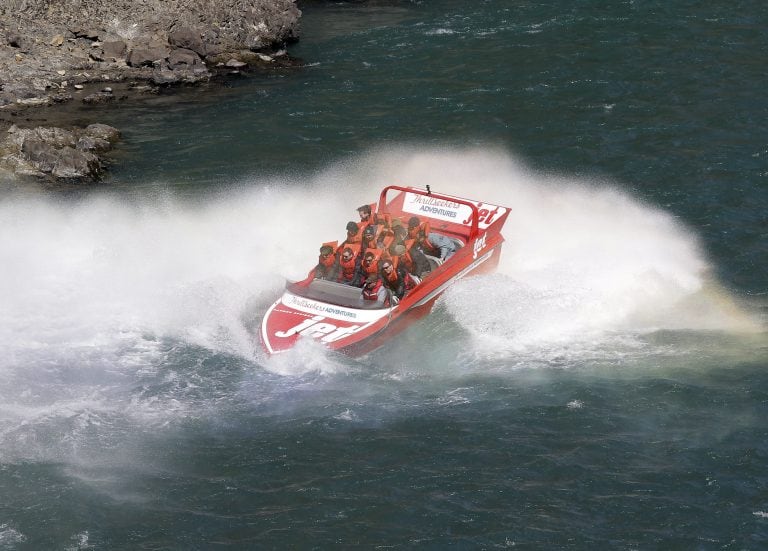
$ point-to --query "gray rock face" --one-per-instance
(49, 50)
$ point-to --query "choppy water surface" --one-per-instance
(606, 388)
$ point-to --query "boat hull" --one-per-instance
(354, 331)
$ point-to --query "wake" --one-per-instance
(580, 260)
(117, 313)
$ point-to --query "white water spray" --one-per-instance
(102, 274)
(93, 291)
(583, 262)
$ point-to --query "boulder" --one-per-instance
(57, 153)
(146, 56)
(182, 58)
(113, 50)
(102, 132)
(188, 39)
(76, 164)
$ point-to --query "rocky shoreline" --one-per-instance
(102, 52)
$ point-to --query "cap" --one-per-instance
(396, 222)
(369, 230)
(351, 226)
(398, 250)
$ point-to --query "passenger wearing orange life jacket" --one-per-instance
(370, 263)
(389, 236)
(399, 281)
(410, 258)
(370, 218)
(374, 292)
(349, 266)
(354, 235)
(373, 237)
(415, 226)
(430, 243)
(327, 264)
(369, 238)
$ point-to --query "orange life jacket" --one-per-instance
(374, 267)
(348, 267)
(413, 233)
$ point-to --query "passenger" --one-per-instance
(349, 266)
(435, 244)
(399, 281)
(411, 258)
(415, 226)
(365, 215)
(369, 238)
(354, 235)
(327, 263)
(370, 263)
(370, 218)
(374, 290)
(400, 233)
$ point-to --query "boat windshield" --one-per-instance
(334, 293)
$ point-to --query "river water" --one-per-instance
(606, 388)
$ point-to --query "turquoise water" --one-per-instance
(606, 388)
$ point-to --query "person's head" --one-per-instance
(396, 223)
(387, 268)
(364, 212)
(400, 232)
(326, 251)
(413, 222)
(352, 228)
(398, 250)
(371, 280)
(369, 232)
(368, 258)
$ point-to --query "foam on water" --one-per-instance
(583, 261)
(93, 290)
(580, 258)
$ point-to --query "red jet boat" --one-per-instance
(336, 315)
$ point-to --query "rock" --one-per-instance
(98, 98)
(88, 143)
(14, 40)
(183, 58)
(102, 132)
(40, 155)
(113, 50)
(76, 164)
(146, 56)
(188, 39)
(49, 47)
(57, 153)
